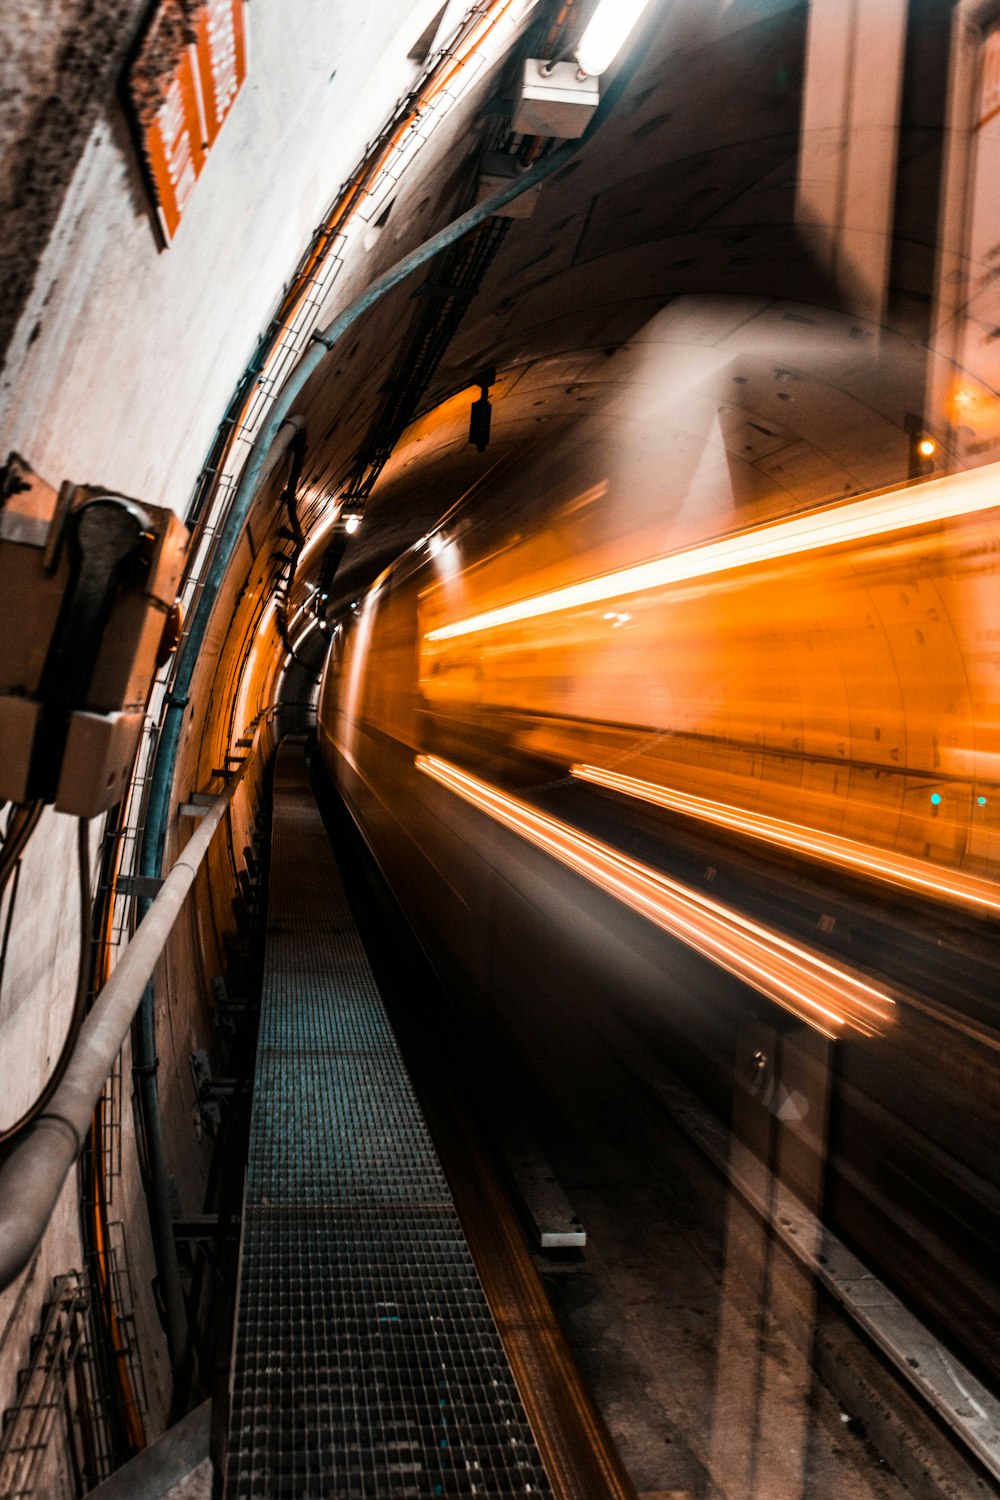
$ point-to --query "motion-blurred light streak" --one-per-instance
(896, 869)
(830, 526)
(825, 996)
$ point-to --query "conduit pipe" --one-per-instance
(279, 428)
(33, 1174)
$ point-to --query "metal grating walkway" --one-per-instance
(366, 1361)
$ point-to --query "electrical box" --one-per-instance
(496, 169)
(553, 100)
(88, 586)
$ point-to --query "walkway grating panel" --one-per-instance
(366, 1361)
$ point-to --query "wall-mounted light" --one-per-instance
(554, 99)
(481, 412)
(352, 512)
(923, 447)
(606, 34)
(557, 98)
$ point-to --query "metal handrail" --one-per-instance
(33, 1173)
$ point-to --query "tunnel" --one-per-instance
(499, 749)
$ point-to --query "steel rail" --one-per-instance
(920, 1360)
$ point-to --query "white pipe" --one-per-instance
(32, 1176)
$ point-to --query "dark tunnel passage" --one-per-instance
(499, 792)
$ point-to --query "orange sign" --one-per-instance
(182, 83)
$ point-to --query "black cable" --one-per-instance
(8, 922)
(82, 987)
(23, 822)
(297, 449)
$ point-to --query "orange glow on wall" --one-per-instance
(989, 106)
(834, 670)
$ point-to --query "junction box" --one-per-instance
(554, 100)
(88, 584)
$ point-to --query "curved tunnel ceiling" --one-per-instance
(666, 300)
(660, 281)
(663, 299)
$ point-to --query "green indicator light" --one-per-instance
(936, 798)
(981, 801)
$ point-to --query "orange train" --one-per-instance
(824, 683)
(837, 668)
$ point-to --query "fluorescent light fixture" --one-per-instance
(352, 523)
(606, 34)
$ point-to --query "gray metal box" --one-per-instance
(558, 104)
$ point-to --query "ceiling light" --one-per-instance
(606, 34)
(352, 523)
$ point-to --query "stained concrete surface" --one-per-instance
(58, 63)
(197, 1485)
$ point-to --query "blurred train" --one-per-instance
(663, 796)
